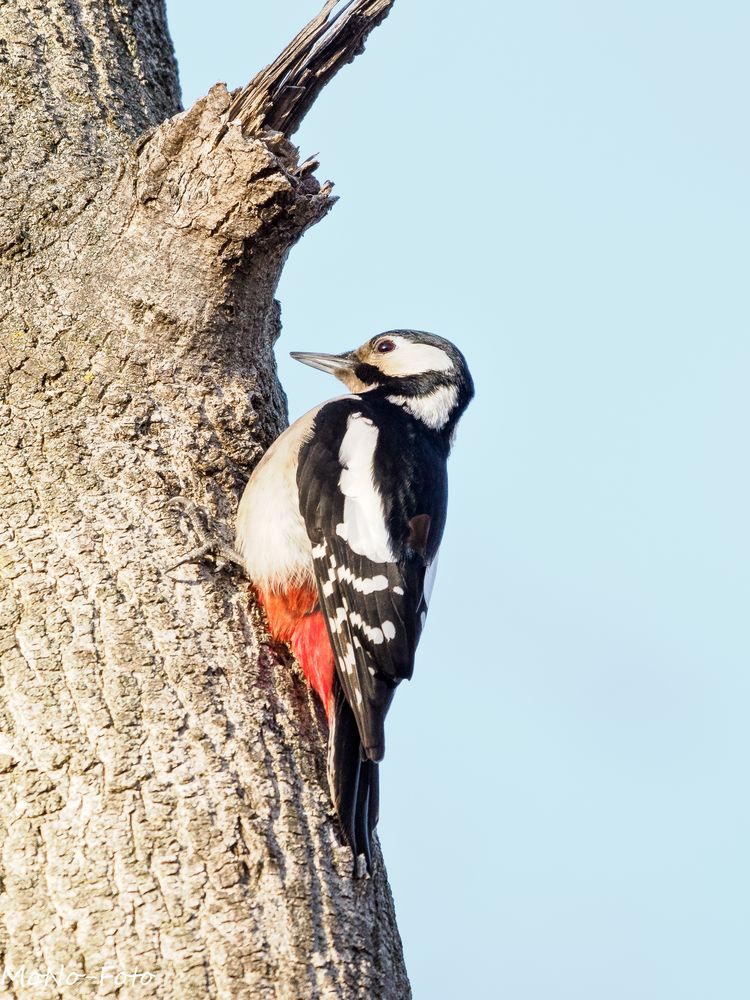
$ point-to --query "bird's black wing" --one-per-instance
(374, 606)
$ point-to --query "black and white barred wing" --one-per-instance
(372, 598)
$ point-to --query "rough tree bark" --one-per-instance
(163, 806)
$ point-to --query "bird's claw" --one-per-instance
(208, 545)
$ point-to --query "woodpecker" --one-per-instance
(339, 528)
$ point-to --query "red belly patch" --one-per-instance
(294, 616)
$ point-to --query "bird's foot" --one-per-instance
(209, 545)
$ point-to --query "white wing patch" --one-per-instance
(374, 634)
(363, 527)
(349, 660)
(366, 584)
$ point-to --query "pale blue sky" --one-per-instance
(562, 189)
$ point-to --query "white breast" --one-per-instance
(271, 535)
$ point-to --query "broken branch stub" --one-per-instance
(280, 95)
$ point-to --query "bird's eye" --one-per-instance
(385, 346)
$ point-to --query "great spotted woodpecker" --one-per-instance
(339, 528)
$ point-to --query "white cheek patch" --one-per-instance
(363, 526)
(414, 359)
(434, 408)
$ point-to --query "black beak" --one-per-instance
(334, 364)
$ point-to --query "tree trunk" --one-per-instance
(163, 806)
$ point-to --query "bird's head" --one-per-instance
(425, 374)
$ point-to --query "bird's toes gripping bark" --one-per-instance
(209, 545)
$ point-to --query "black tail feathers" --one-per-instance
(353, 779)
